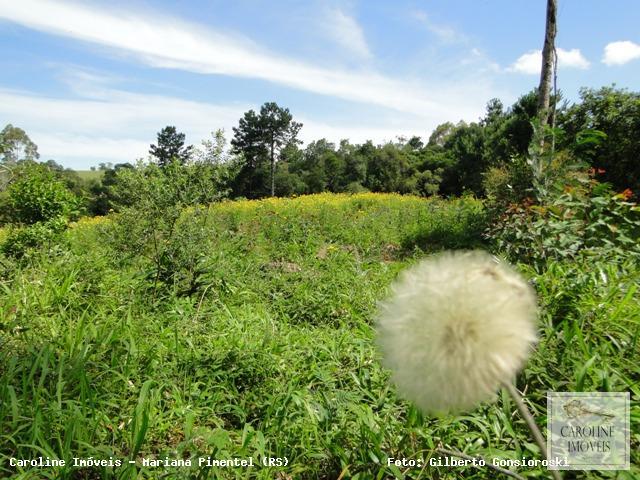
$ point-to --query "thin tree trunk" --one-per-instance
(273, 172)
(548, 54)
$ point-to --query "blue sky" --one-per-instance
(94, 81)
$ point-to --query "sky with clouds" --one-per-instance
(94, 81)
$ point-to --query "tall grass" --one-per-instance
(271, 353)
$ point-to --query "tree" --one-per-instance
(316, 172)
(103, 198)
(440, 134)
(37, 195)
(212, 151)
(153, 221)
(548, 62)
(387, 169)
(15, 145)
(464, 146)
(261, 138)
(355, 166)
(170, 147)
(508, 133)
(604, 131)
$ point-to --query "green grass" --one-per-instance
(272, 351)
(87, 175)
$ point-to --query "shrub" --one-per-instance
(159, 219)
(37, 196)
(355, 187)
(510, 183)
(587, 219)
(22, 239)
(5, 208)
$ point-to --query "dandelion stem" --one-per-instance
(531, 423)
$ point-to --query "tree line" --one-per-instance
(487, 158)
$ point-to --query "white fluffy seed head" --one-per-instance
(457, 325)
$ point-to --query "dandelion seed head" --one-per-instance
(456, 326)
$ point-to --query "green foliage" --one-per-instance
(426, 183)
(152, 222)
(613, 115)
(36, 195)
(170, 147)
(288, 183)
(149, 187)
(508, 133)
(273, 352)
(486, 158)
(464, 146)
(21, 241)
(185, 326)
(355, 187)
(498, 185)
(387, 170)
(261, 138)
(15, 146)
(588, 220)
(104, 195)
(476, 156)
(5, 208)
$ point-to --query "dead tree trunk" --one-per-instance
(548, 62)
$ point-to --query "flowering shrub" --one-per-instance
(585, 219)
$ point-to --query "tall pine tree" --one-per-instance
(170, 147)
(261, 138)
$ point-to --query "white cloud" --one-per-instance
(83, 151)
(314, 130)
(104, 124)
(528, 63)
(531, 62)
(619, 53)
(443, 32)
(118, 126)
(571, 59)
(169, 43)
(346, 32)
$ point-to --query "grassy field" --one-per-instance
(90, 174)
(260, 343)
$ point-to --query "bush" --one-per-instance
(587, 219)
(37, 196)
(5, 208)
(181, 258)
(161, 221)
(507, 184)
(149, 187)
(355, 187)
(21, 240)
